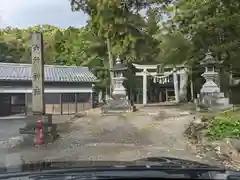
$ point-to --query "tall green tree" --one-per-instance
(213, 25)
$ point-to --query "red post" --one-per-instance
(39, 137)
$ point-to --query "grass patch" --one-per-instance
(225, 125)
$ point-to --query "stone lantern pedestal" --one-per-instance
(210, 86)
(119, 101)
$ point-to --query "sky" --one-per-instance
(25, 13)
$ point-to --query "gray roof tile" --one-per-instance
(53, 73)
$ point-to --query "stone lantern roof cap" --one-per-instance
(119, 66)
(209, 60)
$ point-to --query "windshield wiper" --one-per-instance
(174, 163)
(118, 174)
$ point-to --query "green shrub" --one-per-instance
(225, 125)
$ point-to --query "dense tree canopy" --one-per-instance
(151, 31)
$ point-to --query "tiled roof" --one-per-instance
(53, 73)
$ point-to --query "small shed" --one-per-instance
(68, 89)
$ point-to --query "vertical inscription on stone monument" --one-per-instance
(37, 74)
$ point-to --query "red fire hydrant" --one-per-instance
(39, 137)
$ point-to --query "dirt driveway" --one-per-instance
(155, 131)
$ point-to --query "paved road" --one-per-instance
(10, 127)
(9, 134)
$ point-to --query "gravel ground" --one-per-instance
(153, 131)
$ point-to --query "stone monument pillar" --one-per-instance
(38, 106)
(119, 101)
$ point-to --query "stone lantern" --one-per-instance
(211, 96)
(210, 75)
(209, 62)
(119, 91)
(119, 101)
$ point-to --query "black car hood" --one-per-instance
(151, 161)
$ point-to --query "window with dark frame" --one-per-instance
(68, 98)
(83, 97)
(52, 98)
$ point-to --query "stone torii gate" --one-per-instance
(180, 88)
